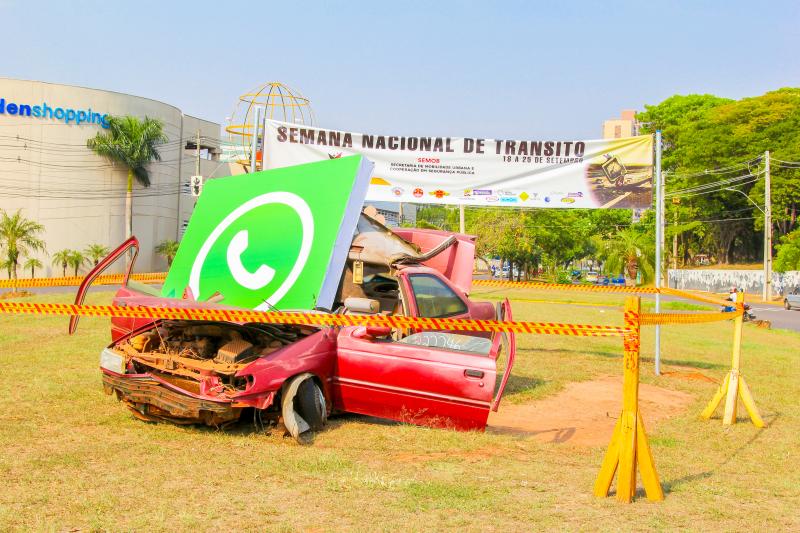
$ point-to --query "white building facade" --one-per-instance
(48, 173)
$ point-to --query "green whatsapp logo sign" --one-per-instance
(273, 239)
(243, 279)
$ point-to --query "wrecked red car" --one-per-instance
(216, 373)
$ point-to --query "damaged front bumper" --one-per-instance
(151, 398)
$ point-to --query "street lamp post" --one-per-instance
(766, 293)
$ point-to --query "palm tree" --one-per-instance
(131, 143)
(18, 237)
(76, 259)
(61, 258)
(167, 249)
(95, 252)
(629, 251)
(33, 264)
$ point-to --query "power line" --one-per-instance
(712, 187)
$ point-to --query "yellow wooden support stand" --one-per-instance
(734, 386)
(629, 445)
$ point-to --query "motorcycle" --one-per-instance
(747, 316)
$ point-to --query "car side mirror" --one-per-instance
(371, 332)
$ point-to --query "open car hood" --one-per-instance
(451, 254)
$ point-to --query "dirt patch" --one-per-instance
(688, 373)
(584, 413)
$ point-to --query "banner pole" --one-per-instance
(461, 228)
(659, 231)
(254, 140)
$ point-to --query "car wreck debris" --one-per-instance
(218, 372)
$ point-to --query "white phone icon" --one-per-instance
(250, 280)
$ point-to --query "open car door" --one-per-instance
(119, 326)
(433, 378)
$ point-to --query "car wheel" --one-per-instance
(786, 305)
(310, 404)
(303, 408)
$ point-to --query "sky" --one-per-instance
(508, 70)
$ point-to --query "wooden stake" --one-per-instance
(629, 446)
(734, 386)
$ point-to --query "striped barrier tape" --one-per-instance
(652, 319)
(561, 286)
(156, 277)
(315, 319)
(598, 288)
(74, 281)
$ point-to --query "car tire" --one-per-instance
(786, 305)
(309, 404)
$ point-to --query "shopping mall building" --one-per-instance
(47, 171)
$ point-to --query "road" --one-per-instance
(778, 316)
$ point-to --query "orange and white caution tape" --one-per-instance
(312, 319)
(599, 288)
(70, 281)
(651, 319)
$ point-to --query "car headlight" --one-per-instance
(112, 361)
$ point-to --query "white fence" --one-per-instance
(752, 281)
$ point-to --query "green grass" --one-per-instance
(71, 457)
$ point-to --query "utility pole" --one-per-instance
(659, 245)
(767, 231)
(399, 213)
(461, 228)
(676, 202)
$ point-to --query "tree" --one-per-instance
(61, 258)
(167, 249)
(33, 264)
(788, 257)
(630, 251)
(95, 252)
(707, 139)
(18, 237)
(133, 144)
(76, 260)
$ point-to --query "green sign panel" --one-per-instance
(276, 239)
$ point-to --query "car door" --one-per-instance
(119, 325)
(434, 378)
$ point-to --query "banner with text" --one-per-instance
(489, 172)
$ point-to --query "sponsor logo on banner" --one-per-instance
(418, 193)
(575, 195)
(524, 196)
(482, 192)
(508, 200)
(568, 200)
(438, 193)
(491, 198)
(547, 199)
(397, 191)
(467, 193)
(335, 156)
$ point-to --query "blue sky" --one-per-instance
(484, 69)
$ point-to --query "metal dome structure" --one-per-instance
(280, 102)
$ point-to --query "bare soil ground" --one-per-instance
(584, 413)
